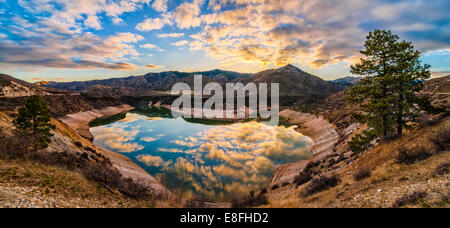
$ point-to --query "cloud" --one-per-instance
(235, 32)
(170, 35)
(313, 33)
(180, 43)
(150, 24)
(150, 160)
(149, 46)
(187, 15)
(93, 22)
(151, 66)
(149, 139)
(160, 5)
(71, 12)
(85, 51)
(116, 138)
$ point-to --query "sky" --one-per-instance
(67, 40)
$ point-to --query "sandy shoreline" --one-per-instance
(322, 133)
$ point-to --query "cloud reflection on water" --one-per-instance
(215, 162)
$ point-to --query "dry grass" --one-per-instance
(70, 189)
(388, 182)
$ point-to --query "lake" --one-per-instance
(211, 160)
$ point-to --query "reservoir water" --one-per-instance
(210, 160)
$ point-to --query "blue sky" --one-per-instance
(66, 40)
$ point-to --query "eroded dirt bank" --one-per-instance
(323, 134)
(80, 123)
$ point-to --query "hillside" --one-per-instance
(13, 87)
(388, 182)
(29, 184)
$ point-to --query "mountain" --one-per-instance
(347, 81)
(294, 82)
(296, 86)
(149, 82)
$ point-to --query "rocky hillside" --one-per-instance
(13, 87)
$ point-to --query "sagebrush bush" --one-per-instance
(104, 173)
(303, 178)
(411, 156)
(319, 184)
(442, 140)
(409, 199)
(441, 169)
(275, 187)
(310, 165)
(361, 174)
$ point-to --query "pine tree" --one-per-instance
(408, 80)
(33, 122)
(392, 75)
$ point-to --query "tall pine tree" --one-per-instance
(33, 122)
(392, 75)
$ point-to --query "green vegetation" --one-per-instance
(33, 122)
(392, 77)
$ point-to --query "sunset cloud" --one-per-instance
(322, 35)
(150, 160)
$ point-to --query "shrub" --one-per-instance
(78, 144)
(264, 191)
(320, 184)
(13, 147)
(311, 165)
(104, 173)
(441, 169)
(408, 199)
(303, 178)
(411, 156)
(361, 174)
(275, 187)
(442, 140)
(250, 201)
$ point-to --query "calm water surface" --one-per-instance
(214, 162)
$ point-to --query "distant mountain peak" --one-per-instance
(291, 67)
